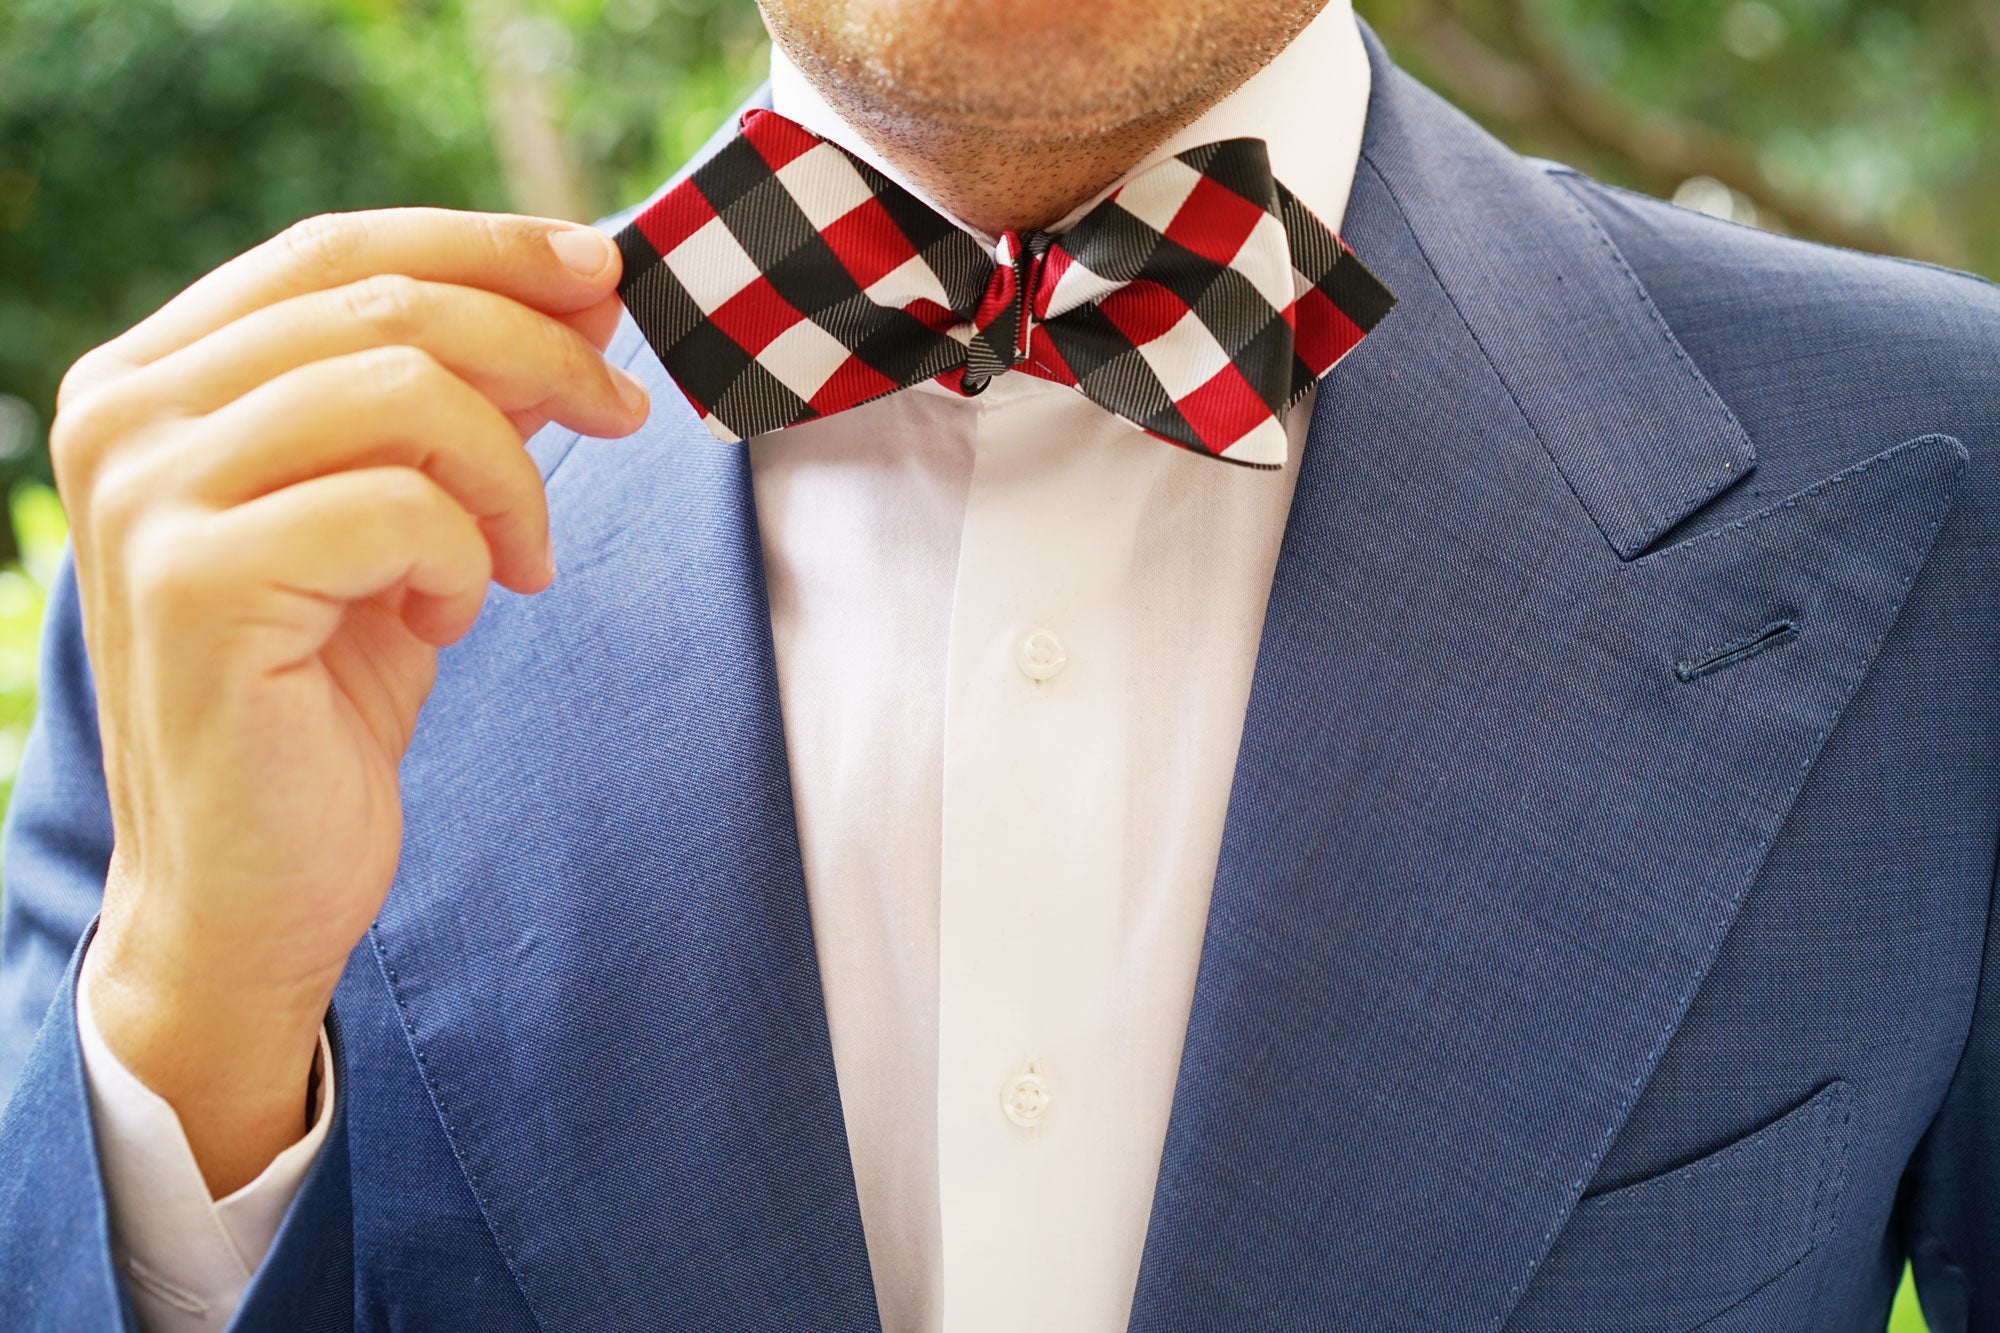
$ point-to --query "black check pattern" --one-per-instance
(785, 280)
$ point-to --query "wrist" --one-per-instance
(161, 1014)
(235, 1066)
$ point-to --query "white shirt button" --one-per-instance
(1040, 654)
(1026, 1096)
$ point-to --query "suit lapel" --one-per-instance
(1482, 844)
(1484, 840)
(598, 937)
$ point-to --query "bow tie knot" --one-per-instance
(785, 279)
(1003, 323)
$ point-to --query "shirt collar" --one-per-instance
(1308, 106)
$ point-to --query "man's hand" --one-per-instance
(287, 490)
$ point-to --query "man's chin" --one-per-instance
(1027, 69)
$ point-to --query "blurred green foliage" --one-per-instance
(1873, 123)
(142, 142)
(38, 517)
(1907, 1316)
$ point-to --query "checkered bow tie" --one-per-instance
(785, 280)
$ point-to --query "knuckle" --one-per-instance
(119, 494)
(389, 305)
(399, 370)
(407, 495)
(324, 244)
(85, 373)
(168, 572)
(575, 360)
(69, 441)
(499, 238)
(81, 433)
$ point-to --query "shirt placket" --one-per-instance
(1034, 814)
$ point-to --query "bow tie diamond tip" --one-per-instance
(785, 280)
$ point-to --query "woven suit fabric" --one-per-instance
(786, 280)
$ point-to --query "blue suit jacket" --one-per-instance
(1601, 935)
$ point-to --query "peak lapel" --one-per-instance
(1484, 841)
(598, 938)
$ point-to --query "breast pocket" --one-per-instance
(1675, 1251)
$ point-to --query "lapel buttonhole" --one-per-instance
(1774, 635)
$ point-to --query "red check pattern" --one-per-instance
(785, 280)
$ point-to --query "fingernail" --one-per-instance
(582, 250)
(631, 393)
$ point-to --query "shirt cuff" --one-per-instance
(186, 1257)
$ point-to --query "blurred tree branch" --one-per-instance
(542, 173)
(1526, 79)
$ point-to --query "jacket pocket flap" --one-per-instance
(1680, 1248)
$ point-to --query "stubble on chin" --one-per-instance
(1005, 110)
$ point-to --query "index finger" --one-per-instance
(557, 267)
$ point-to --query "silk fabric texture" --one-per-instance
(785, 280)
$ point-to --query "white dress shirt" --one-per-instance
(1015, 639)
